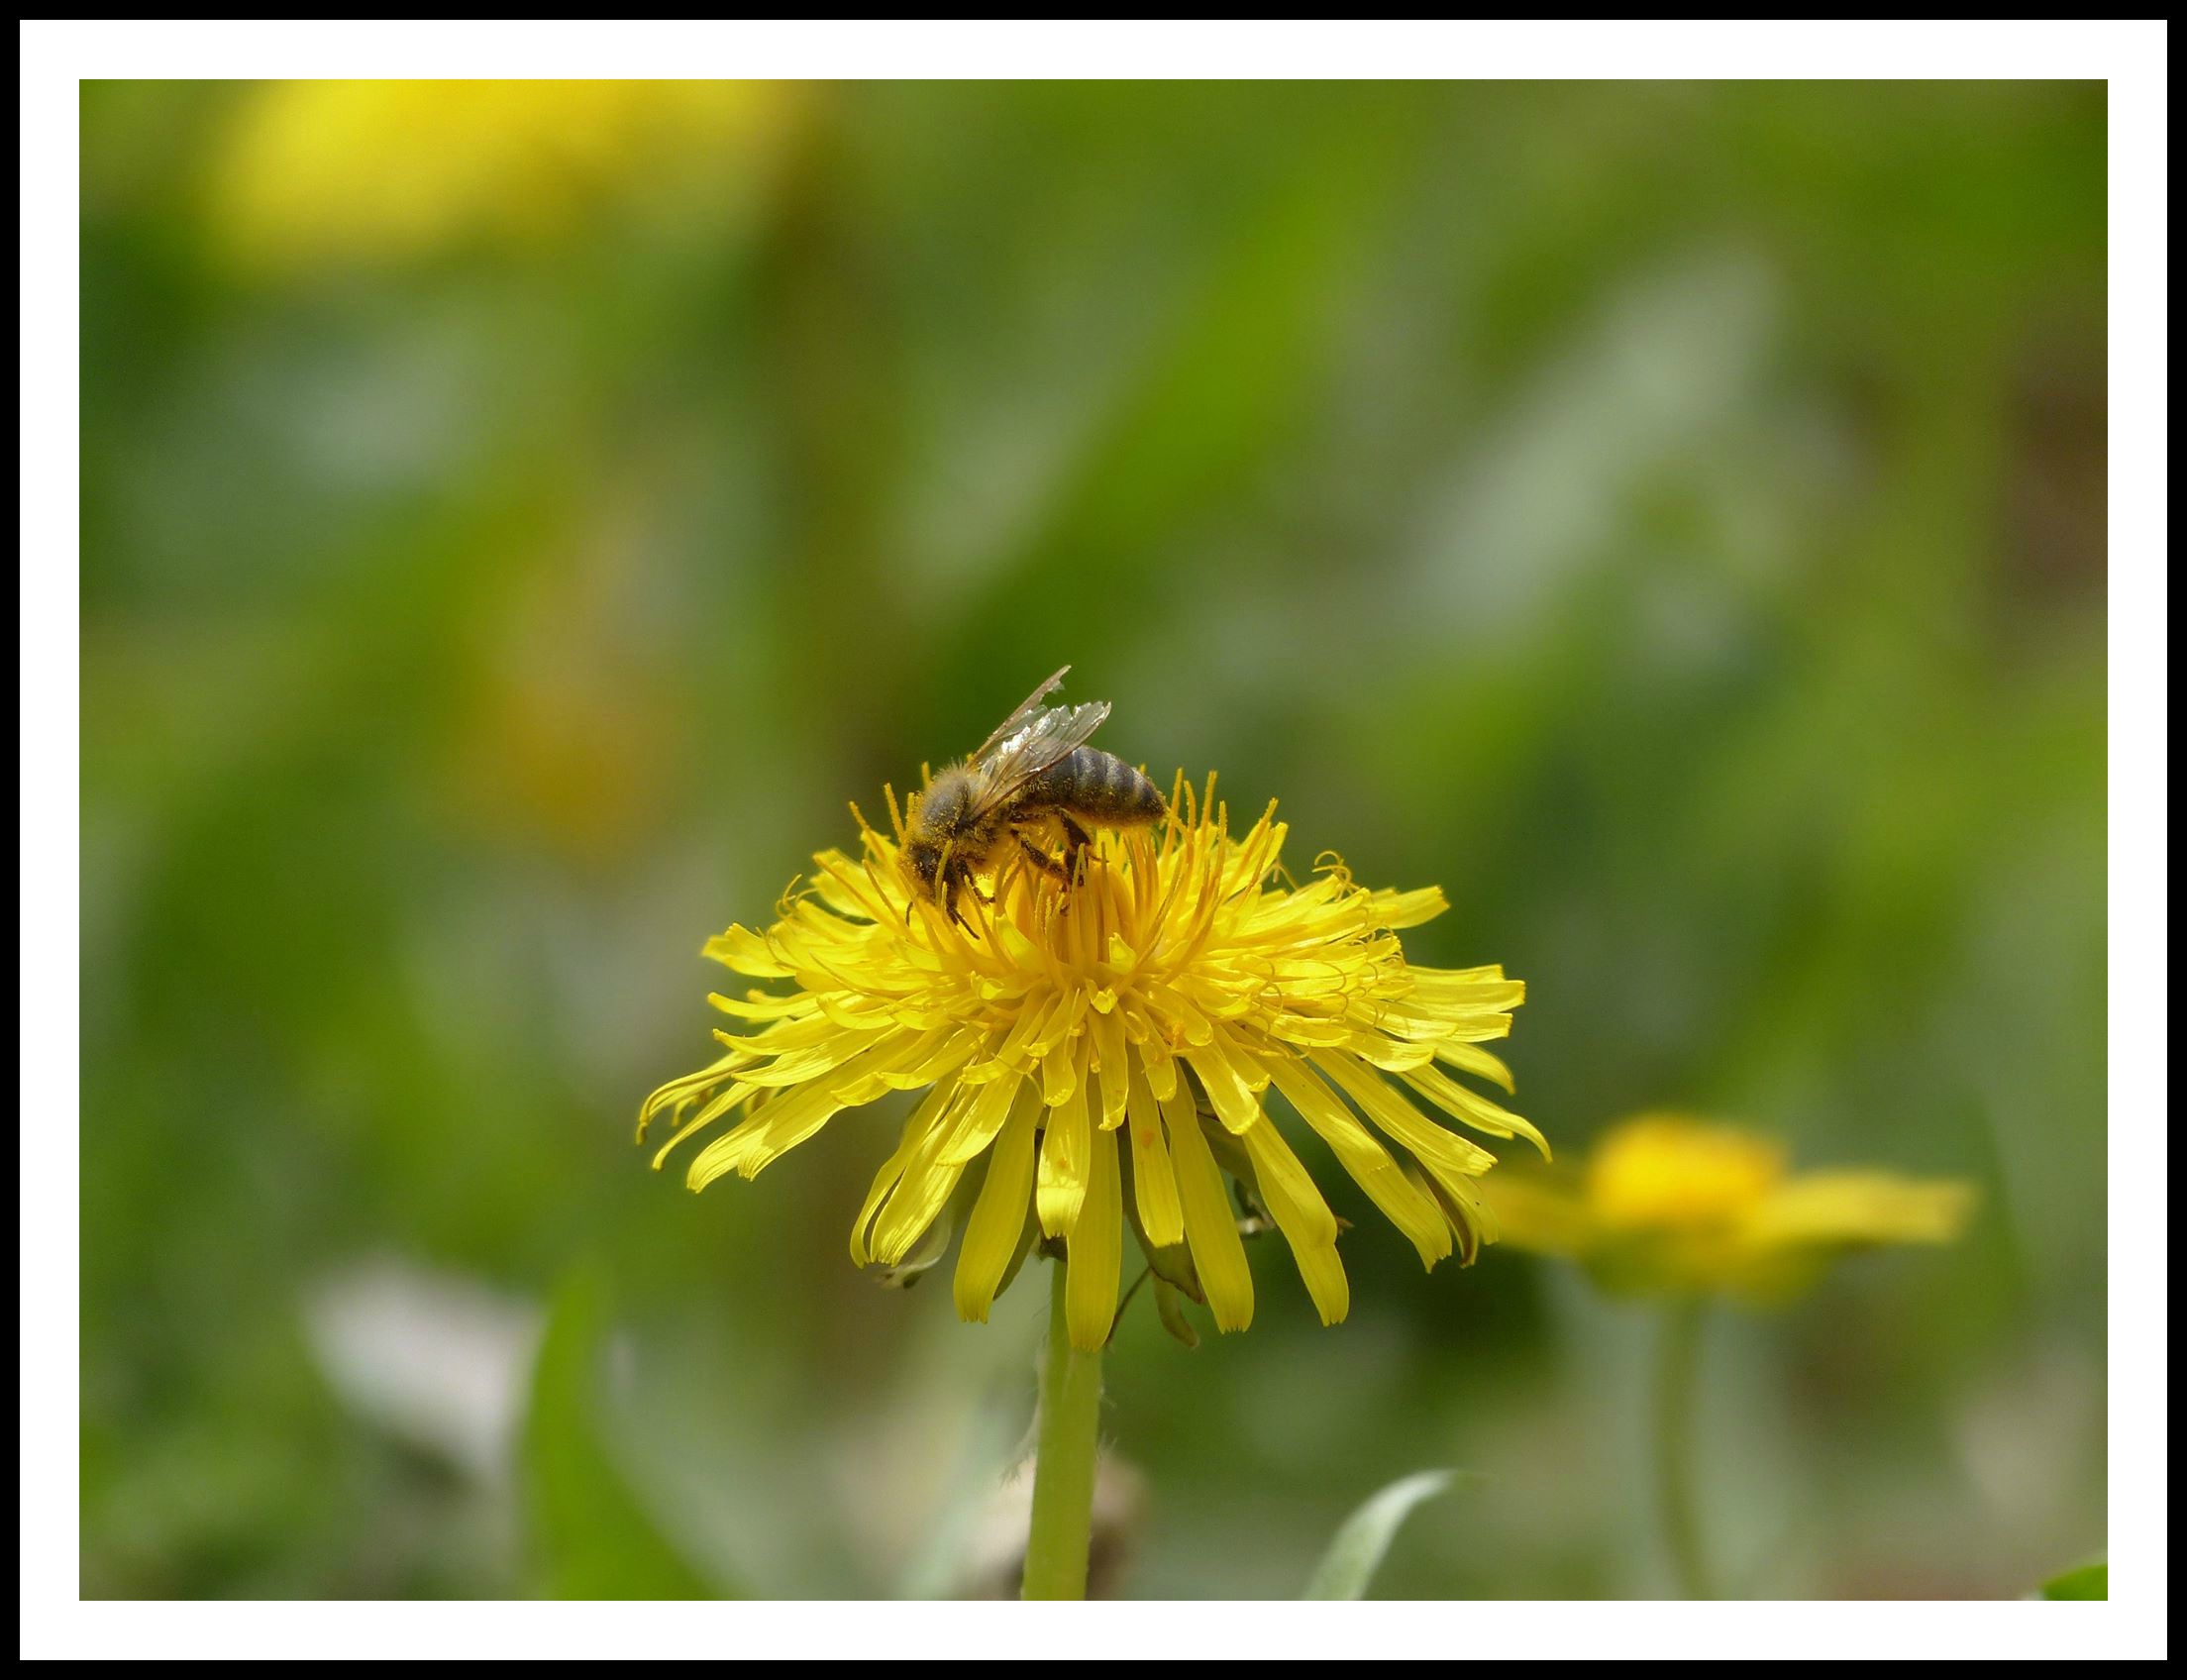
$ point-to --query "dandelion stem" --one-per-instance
(1062, 1470)
(1677, 1372)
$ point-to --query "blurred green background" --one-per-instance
(517, 518)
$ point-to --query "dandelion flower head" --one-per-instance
(1107, 1052)
(337, 173)
(1668, 1204)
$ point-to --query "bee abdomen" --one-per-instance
(1090, 783)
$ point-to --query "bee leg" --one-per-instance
(960, 880)
(953, 883)
(1043, 862)
(1075, 842)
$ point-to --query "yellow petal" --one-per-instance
(1107, 1033)
(1031, 1017)
(1473, 1109)
(1062, 1071)
(679, 1093)
(1094, 1257)
(1153, 1180)
(981, 1118)
(998, 1215)
(746, 952)
(1063, 1161)
(1227, 1079)
(1062, 1023)
(942, 1051)
(1860, 1206)
(1373, 1168)
(1472, 1059)
(1161, 1067)
(1465, 988)
(918, 1197)
(1409, 910)
(764, 1136)
(838, 1049)
(1303, 1216)
(706, 1117)
(1443, 1153)
(915, 1129)
(758, 1005)
(1210, 1229)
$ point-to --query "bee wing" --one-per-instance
(1021, 717)
(1045, 741)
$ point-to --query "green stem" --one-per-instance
(1677, 1373)
(1062, 1470)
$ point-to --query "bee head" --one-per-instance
(922, 863)
(942, 819)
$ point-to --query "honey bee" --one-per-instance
(1034, 771)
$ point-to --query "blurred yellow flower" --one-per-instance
(561, 740)
(1671, 1205)
(336, 171)
(1106, 1047)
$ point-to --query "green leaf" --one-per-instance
(2088, 1581)
(1360, 1544)
(589, 1534)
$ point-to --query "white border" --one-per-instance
(1075, 48)
(2129, 56)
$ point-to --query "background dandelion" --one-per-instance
(1670, 517)
(1682, 1212)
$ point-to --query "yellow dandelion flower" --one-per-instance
(337, 171)
(1104, 1051)
(1670, 1204)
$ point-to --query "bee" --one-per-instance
(1035, 771)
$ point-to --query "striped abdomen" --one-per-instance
(1096, 786)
